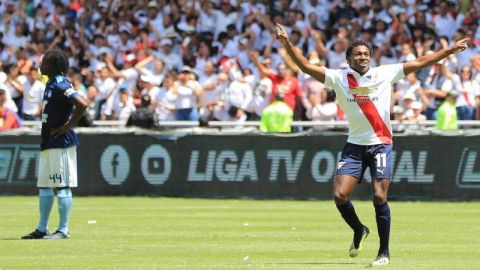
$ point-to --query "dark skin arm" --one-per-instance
(430, 59)
(315, 71)
(80, 107)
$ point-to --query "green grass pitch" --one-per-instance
(173, 233)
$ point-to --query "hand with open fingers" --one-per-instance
(461, 45)
(281, 34)
(60, 130)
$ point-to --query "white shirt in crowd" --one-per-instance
(467, 91)
(32, 98)
(165, 107)
(186, 97)
(261, 96)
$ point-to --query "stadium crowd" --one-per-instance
(219, 60)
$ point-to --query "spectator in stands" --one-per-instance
(236, 97)
(407, 101)
(32, 96)
(277, 117)
(153, 66)
(105, 86)
(123, 107)
(144, 117)
(322, 107)
(128, 74)
(447, 113)
(169, 34)
(8, 118)
(203, 56)
(261, 98)
(335, 55)
(468, 89)
(283, 81)
(409, 86)
(436, 87)
(168, 56)
(164, 103)
(214, 86)
(16, 82)
(148, 86)
(189, 95)
(417, 108)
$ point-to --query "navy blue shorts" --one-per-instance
(356, 158)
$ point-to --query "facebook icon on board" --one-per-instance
(115, 164)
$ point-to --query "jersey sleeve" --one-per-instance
(333, 78)
(66, 90)
(393, 72)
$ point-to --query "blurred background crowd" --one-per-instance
(219, 60)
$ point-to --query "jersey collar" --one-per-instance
(356, 74)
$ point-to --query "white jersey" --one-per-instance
(366, 101)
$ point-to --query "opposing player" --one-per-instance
(58, 161)
(364, 93)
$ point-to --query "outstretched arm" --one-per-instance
(317, 72)
(430, 59)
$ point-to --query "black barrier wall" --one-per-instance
(260, 166)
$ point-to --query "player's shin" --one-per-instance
(348, 213)
(64, 205)
(383, 218)
(45, 203)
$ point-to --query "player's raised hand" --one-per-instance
(461, 45)
(281, 34)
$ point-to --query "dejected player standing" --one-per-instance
(61, 109)
(364, 93)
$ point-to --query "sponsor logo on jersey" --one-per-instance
(362, 91)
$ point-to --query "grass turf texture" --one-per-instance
(172, 233)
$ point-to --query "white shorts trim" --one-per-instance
(58, 168)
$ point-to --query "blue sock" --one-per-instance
(382, 213)
(348, 213)
(64, 205)
(45, 203)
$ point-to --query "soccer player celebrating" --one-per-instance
(364, 93)
(58, 161)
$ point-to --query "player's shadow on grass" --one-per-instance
(317, 263)
(323, 263)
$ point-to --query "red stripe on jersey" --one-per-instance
(371, 113)
(374, 118)
(352, 82)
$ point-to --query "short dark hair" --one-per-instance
(54, 62)
(357, 43)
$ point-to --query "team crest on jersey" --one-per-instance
(49, 93)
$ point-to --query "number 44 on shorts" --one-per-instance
(55, 177)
